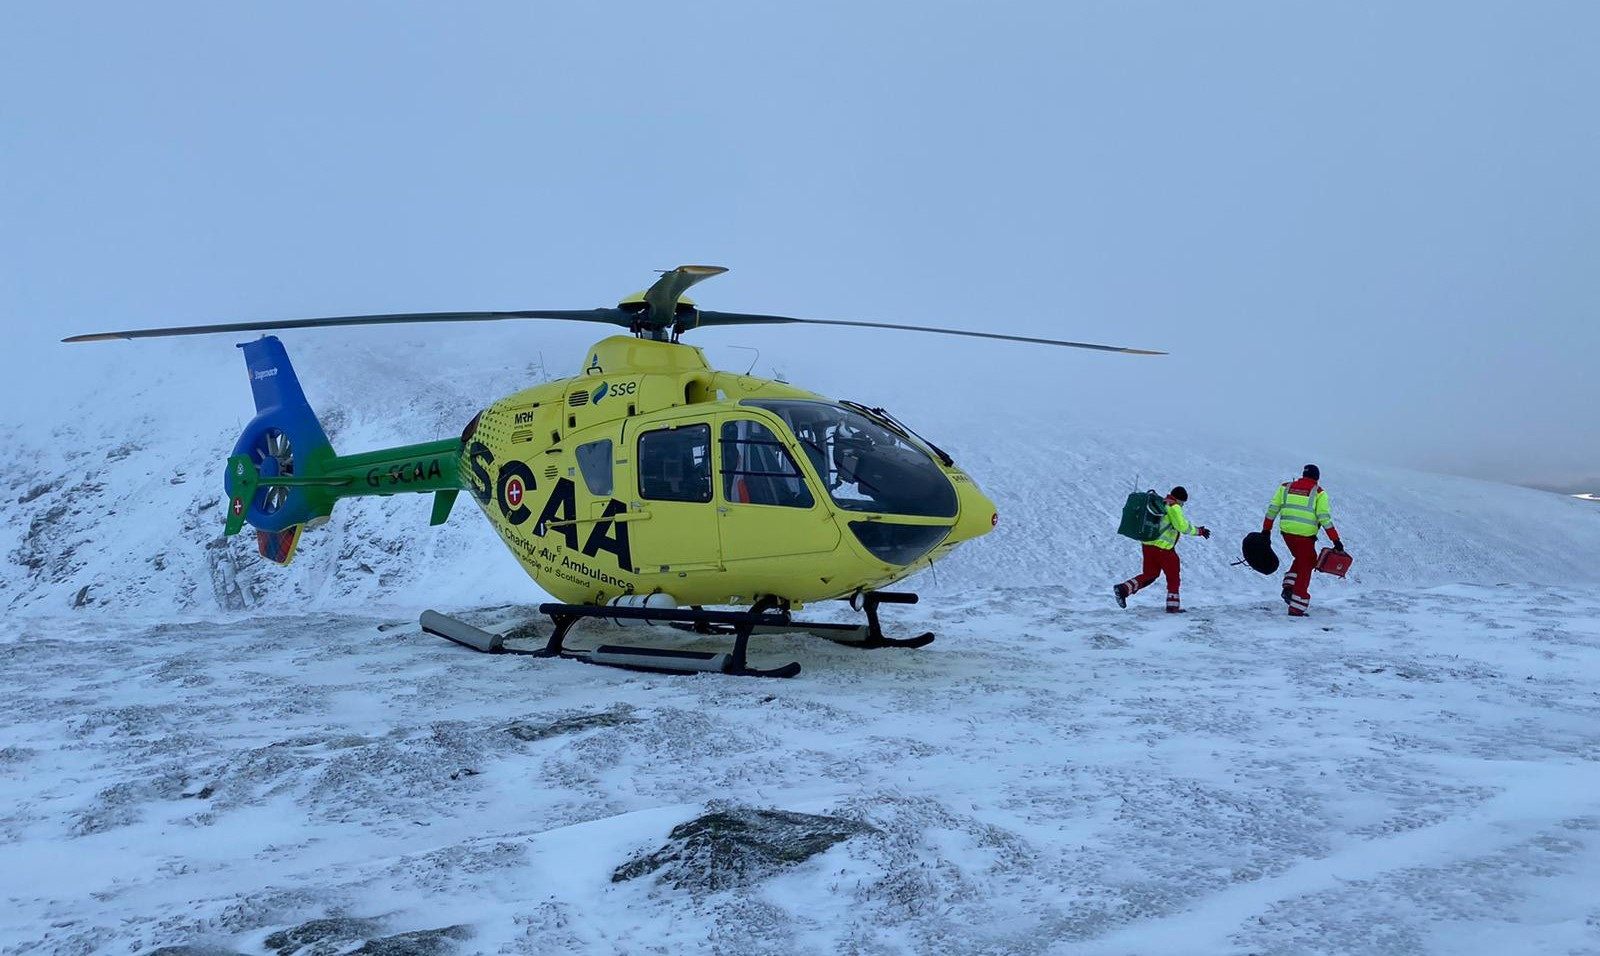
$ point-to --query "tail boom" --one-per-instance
(428, 467)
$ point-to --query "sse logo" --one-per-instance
(606, 388)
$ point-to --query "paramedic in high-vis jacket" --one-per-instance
(1301, 509)
(1161, 554)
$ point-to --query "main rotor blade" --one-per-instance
(746, 318)
(611, 316)
(662, 296)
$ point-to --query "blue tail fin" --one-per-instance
(272, 377)
(284, 438)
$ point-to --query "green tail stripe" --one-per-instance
(430, 466)
(422, 468)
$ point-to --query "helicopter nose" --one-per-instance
(977, 516)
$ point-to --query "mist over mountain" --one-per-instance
(1587, 486)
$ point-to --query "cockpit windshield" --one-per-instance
(865, 466)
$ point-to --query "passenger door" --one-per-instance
(672, 465)
(766, 504)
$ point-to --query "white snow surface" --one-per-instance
(199, 749)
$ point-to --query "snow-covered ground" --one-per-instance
(1406, 772)
(199, 749)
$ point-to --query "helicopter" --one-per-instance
(647, 490)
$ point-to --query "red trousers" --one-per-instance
(1303, 548)
(1158, 561)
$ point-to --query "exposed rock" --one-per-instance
(618, 716)
(423, 942)
(322, 937)
(325, 937)
(736, 845)
(16, 755)
(41, 546)
(39, 491)
(194, 949)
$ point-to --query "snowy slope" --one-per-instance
(1406, 773)
(203, 751)
(115, 498)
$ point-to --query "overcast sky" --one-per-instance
(1372, 229)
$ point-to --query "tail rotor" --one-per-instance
(274, 458)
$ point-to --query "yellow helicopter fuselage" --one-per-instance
(651, 472)
(642, 490)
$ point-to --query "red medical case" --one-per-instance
(1333, 562)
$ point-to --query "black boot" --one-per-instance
(1121, 593)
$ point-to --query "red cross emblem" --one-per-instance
(514, 492)
(238, 506)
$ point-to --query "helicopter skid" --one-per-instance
(451, 629)
(668, 661)
(739, 624)
(868, 636)
(764, 618)
(868, 641)
(850, 635)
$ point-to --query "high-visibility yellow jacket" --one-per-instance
(1301, 507)
(1174, 524)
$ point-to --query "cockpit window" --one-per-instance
(594, 460)
(675, 464)
(757, 469)
(865, 466)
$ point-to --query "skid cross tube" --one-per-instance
(741, 624)
(868, 636)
